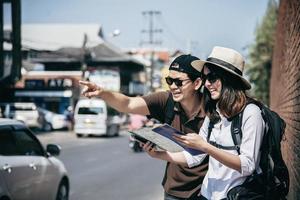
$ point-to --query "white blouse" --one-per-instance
(220, 178)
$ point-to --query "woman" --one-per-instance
(225, 89)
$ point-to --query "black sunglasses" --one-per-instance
(212, 77)
(177, 81)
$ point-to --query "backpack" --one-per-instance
(273, 183)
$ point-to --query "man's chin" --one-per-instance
(177, 98)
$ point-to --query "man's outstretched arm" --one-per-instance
(118, 101)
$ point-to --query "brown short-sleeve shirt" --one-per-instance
(179, 181)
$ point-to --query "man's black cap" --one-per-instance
(187, 64)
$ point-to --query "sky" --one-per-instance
(193, 26)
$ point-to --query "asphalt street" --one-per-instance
(102, 168)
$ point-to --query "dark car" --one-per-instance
(27, 170)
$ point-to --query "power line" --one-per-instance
(151, 31)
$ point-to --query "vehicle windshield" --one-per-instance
(111, 111)
(90, 110)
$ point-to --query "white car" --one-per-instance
(22, 111)
(52, 121)
(27, 170)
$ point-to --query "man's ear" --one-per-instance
(198, 83)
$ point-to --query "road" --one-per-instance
(106, 168)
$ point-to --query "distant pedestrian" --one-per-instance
(136, 121)
(69, 117)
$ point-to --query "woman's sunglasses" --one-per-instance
(177, 81)
(212, 77)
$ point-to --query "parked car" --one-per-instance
(94, 117)
(25, 112)
(27, 170)
(52, 121)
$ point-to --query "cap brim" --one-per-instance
(197, 65)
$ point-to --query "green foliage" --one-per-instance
(260, 53)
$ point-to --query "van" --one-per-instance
(22, 111)
(94, 117)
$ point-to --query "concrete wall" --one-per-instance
(285, 86)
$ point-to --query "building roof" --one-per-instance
(109, 52)
(104, 52)
(52, 37)
(68, 43)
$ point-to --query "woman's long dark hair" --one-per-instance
(233, 97)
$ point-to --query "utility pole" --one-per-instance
(1, 40)
(151, 41)
(16, 33)
(15, 38)
(84, 54)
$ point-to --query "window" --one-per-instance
(19, 142)
(111, 111)
(34, 83)
(26, 144)
(7, 142)
(90, 110)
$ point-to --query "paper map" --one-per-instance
(162, 136)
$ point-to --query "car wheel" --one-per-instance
(63, 191)
(109, 132)
(47, 127)
(79, 135)
(137, 147)
(117, 131)
(112, 130)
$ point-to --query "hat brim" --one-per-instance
(246, 84)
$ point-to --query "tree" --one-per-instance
(260, 53)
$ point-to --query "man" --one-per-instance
(185, 81)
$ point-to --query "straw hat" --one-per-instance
(229, 60)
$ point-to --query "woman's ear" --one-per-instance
(198, 83)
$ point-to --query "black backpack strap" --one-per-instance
(235, 147)
(169, 110)
(236, 134)
(210, 127)
(236, 124)
(236, 130)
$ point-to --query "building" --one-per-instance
(56, 56)
(285, 86)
